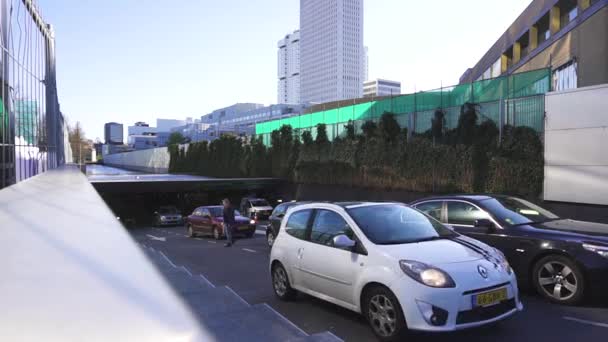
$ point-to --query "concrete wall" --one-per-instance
(154, 160)
(576, 143)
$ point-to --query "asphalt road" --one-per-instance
(244, 267)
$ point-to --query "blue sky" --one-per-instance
(132, 60)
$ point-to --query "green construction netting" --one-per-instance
(519, 94)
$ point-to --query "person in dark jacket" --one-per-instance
(229, 221)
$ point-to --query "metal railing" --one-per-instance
(32, 128)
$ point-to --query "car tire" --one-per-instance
(270, 239)
(190, 230)
(216, 234)
(280, 283)
(559, 279)
(384, 315)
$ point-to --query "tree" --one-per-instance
(389, 127)
(307, 138)
(78, 141)
(321, 138)
(438, 125)
(467, 123)
(350, 130)
(369, 129)
(176, 138)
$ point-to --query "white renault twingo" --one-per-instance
(398, 267)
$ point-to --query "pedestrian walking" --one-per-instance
(229, 221)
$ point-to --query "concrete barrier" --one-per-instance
(154, 160)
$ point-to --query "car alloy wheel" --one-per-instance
(280, 283)
(558, 279)
(382, 315)
(270, 239)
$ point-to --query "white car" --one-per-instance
(400, 268)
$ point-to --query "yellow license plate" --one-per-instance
(490, 298)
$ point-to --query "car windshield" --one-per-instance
(514, 211)
(167, 210)
(219, 212)
(387, 224)
(259, 203)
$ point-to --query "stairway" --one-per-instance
(225, 315)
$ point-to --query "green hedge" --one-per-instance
(465, 159)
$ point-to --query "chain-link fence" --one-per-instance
(32, 129)
(516, 100)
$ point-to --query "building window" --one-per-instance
(568, 11)
(565, 77)
(544, 31)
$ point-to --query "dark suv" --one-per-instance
(272, 229)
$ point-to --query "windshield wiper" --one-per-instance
(535, 222)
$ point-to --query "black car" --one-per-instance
(562, 259)
(274, 221)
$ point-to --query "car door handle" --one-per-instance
(300, 252)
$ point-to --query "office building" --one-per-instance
(219, 116)
(142, 142)
(288, 68)
(113, 133)
(165, 125)
(141, 128)
(568, 36)
(365, 64)
(331, 50)
(380, 87)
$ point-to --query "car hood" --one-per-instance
(439, 252)
(578, 228)
(262, 208)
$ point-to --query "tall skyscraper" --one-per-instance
(288, 69)
(366, 65)
(113, 133)
(331, 50)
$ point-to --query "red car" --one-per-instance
(209, 220)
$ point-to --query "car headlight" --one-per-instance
(252, 222)
(162, 218)
(502, 260)
(426, 274)
(601, 250)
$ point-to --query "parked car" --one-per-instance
(209, 220)
(168, 216)
(274, 221)
(256, 208)
(562, 259)
(382, 260)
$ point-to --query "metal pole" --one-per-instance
(51, 99)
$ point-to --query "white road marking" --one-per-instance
(207, 280)
(584, 321)
(237, 295)
(164, 256)
(156, 238)
(286, 320)
(249, 250)
(211, 241)
(260, 232)
(336, 337)
(187, 270)
(199, 239)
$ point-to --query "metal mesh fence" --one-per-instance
(31, 125)
(515, 100)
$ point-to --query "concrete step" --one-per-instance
(320, 337)
(258, 323)
(208, 302)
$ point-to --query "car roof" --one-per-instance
(346, 205)
(470, 197)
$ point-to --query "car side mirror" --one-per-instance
(343, 242)
(485, 223)
(207, 216)
(280, 215)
